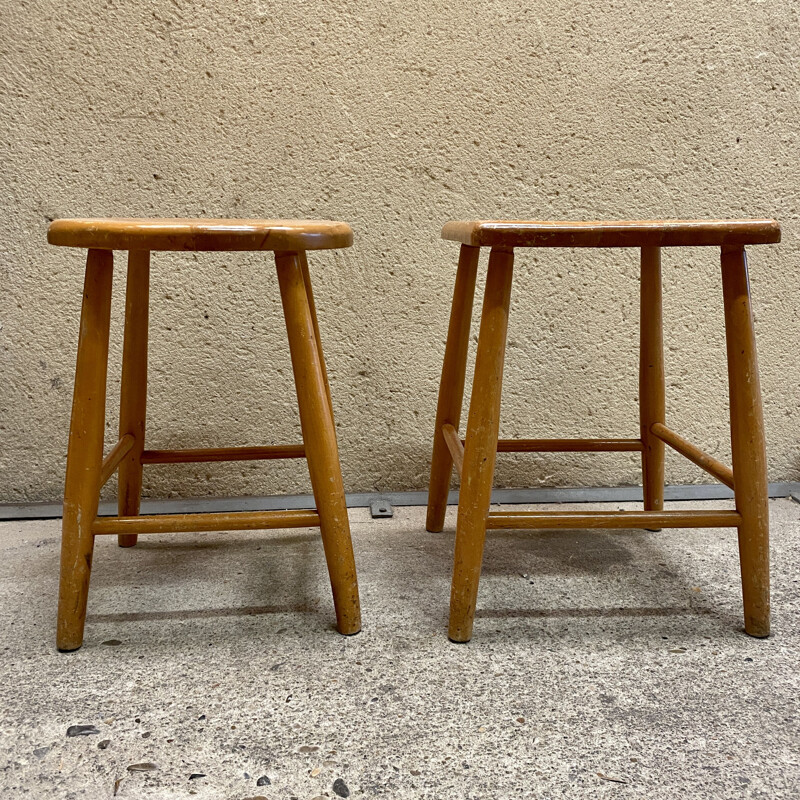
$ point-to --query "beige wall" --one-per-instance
(395, 117)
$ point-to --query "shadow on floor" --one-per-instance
(201, 613)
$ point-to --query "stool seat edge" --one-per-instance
(612, 233)
(200, 234)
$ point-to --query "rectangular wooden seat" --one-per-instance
(655, 233)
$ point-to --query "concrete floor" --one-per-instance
(603, 665)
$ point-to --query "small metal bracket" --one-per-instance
(381, 508)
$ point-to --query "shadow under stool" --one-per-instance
(88, 470)
(474, 457)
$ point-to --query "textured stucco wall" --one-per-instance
(394, 117)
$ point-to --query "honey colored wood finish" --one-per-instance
(652, 233)
(451, 385)
(481, 445)
(313, 309)
(455, 446)
(651, 378)
(85, 451)
(189, 523)
(697, 456)
(209, 454)
(319, 437)
(748, 476)
(649, 520)
(87, 471)
(113, 459)
(569, 445)
(747, 442)
(133, 387)
(200, 234)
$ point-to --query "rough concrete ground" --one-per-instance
(609, 665)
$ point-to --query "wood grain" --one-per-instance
(207, 454)
(319, 437)
(85, 451)
(223, 521)
(622, 233)
(697, 456)
(455, 446)
(481, 445)
(537, 520)
(747, 442)
(200, 234)
(112, 460)
(133, 388)
(451, 385)
(569, 445)
(652, 401)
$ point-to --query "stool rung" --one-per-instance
(454, 445)
(113, 459)
(697, 456)
(223, 521)
(612, 519)
(569, 445)
(223, 454)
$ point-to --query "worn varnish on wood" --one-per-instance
(200, 234)
(625, 233)
(209, 454)
(87, 470)
(479, 447)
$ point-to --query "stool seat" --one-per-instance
(200, 234)
(619, 233)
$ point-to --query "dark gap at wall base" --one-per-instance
(196, 505)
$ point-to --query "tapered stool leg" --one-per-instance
(85, 451)
(480, 447)
(747, 441)
(133, 390)
(319, 436)
(313, 309)
(451, 385)
(651, 378)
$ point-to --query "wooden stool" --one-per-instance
(475, 457)
(88, 471)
